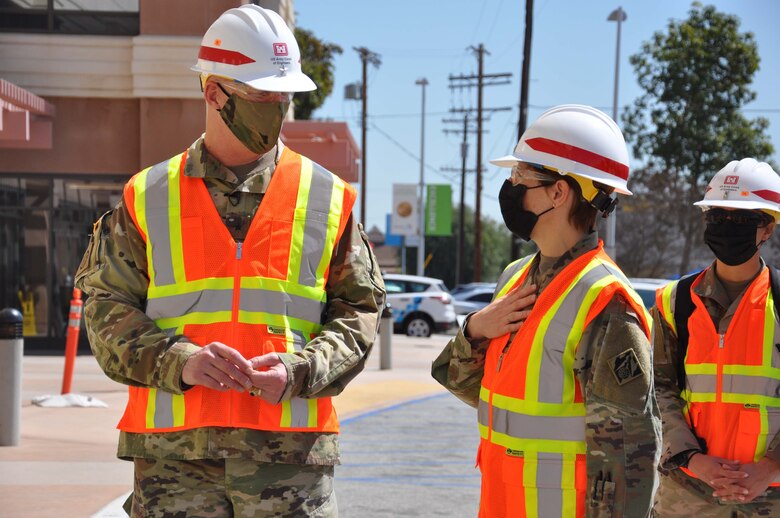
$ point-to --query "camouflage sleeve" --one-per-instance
(356, 297)
(127, 344)
(460, 366)
(677, 435)
(623, 425)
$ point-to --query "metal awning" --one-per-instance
(26, 120)
(328, 143)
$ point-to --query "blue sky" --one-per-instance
(573, 61)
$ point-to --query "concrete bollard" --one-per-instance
(11, 349)
(385, 339)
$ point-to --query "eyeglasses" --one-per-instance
(524, 171)
(252, 94)
(717, 216)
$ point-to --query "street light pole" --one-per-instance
(619, 16)
(421, 200)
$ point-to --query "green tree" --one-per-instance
(696, 77)
(317, 63)
(495, 250)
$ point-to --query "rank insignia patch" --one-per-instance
(625, 366)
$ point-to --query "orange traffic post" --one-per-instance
(72, 341)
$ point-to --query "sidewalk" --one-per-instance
(66, 463)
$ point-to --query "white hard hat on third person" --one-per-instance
(744, 184)
(577, 140)
(254, 46)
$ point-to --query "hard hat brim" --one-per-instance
(295, 82)
(734, 204)
(506, 161)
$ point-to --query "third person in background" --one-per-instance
(559, 364)
(717, 360)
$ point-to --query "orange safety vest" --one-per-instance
(531, 411)
(732, 390)
(264, 295)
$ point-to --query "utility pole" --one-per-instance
(421, 202)
(522, 122)
(619, 16)
(480, 84)
(464, 148)
(366, 56)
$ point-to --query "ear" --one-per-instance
(765, 233)
(213, 95)
(560, 191)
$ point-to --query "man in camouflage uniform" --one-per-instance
(741, 207)
(611, 363)
(228, 471)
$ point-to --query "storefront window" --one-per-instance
(45, 225)
(117, 17)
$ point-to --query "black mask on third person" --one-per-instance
(731, 235)
(516, 218)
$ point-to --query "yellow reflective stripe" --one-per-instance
(255, 317)
(765, 371)
(536, 408)
(299, 221)
(701, 368)
(699, 397)
(139, 187)
(312, 412)
(568, 480)
(666, 306)
(512, 280)
(334, 221)
(263, 283)
(769, 329)
(151, 406)
(753, 399)
(286, 420)
(177, 404)
(214, 283)
(174, 219)
(194, 318)
(537, 349)
(762, 437)
(526, 445)
(529, 483)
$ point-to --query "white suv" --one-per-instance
(421, 305)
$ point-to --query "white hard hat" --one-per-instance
(578, 140)
(254, 46)
(744, 184)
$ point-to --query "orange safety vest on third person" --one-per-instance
(264, 295)
(732, 379)
(531, 410)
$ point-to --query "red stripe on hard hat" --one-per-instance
(768, 195)
(583, 156)
(228, 57)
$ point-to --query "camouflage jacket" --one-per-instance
(678, 437)
(132, 350)
(623, 425)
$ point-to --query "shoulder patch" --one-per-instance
(625, 366)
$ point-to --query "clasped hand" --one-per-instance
(733, 481)
(220, 367)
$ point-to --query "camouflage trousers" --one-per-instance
(230, 487)
(682, 496)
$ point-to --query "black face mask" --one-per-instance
(731, 237)
(518, 220)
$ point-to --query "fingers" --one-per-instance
(233, 356)
(266, 360)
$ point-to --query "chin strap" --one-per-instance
(603, 203)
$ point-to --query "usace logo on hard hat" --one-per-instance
(731, 180)
(280, 49)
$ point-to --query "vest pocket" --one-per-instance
(193, 247)
(540, 473)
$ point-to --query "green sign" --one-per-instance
(438, 210)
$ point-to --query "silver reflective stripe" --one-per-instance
(773, 428)
(524, 426)
(299, 341)
(552, 373)
(483, 413)
(157, 224)
(752, 385)
(206, 301)
(549, 472)
(512, 269)
(701, 383)
(163, 409)
(299, 413)
(280, 303)
(316, 228)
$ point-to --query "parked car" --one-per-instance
(462, 288)
(421, 305)
(474, 299)
(646, 287)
